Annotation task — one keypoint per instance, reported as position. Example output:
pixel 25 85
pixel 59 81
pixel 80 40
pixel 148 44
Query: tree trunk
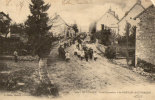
pixel 43 74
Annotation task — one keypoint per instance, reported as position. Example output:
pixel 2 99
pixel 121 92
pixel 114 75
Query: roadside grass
pixel 17 76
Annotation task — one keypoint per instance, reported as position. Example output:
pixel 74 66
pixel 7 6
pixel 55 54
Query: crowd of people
pixel 84 52
pixel 61 50
pixel 81 50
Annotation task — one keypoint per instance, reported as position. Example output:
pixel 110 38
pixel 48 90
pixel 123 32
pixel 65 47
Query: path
pixel 99 75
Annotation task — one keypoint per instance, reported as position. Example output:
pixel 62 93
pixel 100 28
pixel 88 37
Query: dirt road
pixel 78 76
pixel 99 75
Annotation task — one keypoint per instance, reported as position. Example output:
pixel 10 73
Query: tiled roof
pixel 111 12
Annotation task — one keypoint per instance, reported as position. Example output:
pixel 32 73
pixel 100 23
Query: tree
pixel 4 23
pixel 75 28
pixel 17 28
pixel 37 28
pixel 92 30
pixel 40 41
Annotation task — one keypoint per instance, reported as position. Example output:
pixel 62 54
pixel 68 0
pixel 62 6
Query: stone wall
pixel 145 42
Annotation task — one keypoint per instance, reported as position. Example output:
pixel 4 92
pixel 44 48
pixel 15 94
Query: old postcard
pixel 77 49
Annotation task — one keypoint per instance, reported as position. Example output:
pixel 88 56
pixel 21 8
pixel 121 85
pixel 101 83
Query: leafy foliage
pixel 106 37
pixel 37 27
pixel 17 28
pixel 4 23
pixel 110 52
pixel 131 38
pixel 75 28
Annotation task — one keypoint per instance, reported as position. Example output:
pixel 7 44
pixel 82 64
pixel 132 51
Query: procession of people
pixel 85 53
pixel 61 50
pixel 81 50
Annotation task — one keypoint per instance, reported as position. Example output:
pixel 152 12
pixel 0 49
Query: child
pixel 91 53
pixel 67 55
pixel 86 55
pixel 95 55
pixel 75 51
pixel 82 54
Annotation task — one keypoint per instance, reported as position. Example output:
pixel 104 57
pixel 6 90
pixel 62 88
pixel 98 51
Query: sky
pixel 82 12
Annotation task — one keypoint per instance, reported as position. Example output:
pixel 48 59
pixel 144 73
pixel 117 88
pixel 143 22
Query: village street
pixel 78 76
pixel 75 49
pixel 100 75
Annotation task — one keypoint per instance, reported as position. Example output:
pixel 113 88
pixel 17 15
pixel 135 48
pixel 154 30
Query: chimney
pixel 139 2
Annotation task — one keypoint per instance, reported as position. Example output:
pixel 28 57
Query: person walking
pixel 63 52
pixel 91 53
pixel 59 51
pixel 15 56
pixel 86 55
pixel 82 54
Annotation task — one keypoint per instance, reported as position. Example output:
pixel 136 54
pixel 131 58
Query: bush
pixel 110 52
pixel 148 67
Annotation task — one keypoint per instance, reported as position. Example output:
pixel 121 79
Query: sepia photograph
pixel 77 49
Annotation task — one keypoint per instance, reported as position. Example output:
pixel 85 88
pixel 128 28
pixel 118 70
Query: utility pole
pixel 135 53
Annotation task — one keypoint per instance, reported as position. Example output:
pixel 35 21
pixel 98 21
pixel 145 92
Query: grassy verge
pixel 19 76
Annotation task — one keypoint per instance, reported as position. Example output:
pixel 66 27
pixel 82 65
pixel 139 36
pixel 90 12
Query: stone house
pixel 145 38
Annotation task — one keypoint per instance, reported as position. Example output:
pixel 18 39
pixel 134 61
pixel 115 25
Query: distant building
pixel 60 27
pixel 4 16
pixel 108 20
pixel 145 42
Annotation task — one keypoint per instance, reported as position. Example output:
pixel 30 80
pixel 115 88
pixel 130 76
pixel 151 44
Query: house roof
pixel 6 15
pixel 144 11
pixel 137 4
pixel 57 19
pixel 111 12
pixel 59 25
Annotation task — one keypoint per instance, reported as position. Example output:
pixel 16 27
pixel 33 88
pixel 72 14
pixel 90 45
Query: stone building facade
pixel 145 42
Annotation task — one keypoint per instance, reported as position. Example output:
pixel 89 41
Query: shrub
pixel 110 52
pixel 148 67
